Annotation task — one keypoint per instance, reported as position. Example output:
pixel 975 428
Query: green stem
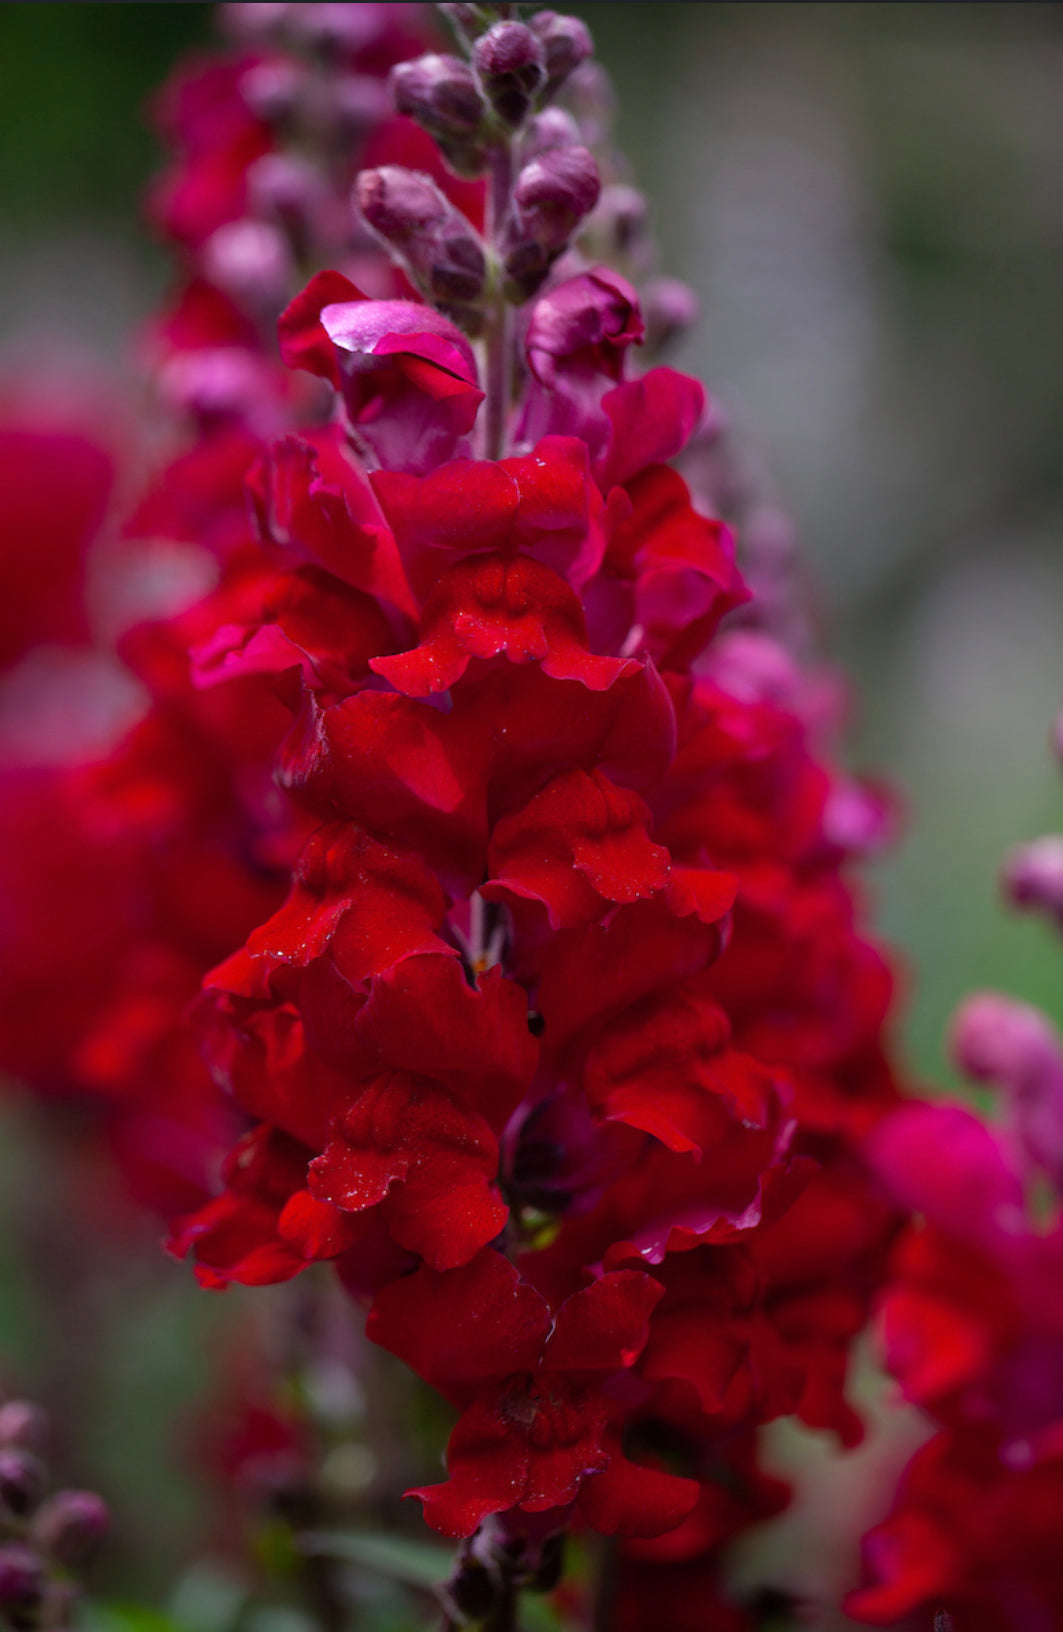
pixel 498 330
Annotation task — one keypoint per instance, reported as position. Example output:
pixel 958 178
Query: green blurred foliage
pixel 74 85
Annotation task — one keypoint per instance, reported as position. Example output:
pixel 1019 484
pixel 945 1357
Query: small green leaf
pixel 417 1563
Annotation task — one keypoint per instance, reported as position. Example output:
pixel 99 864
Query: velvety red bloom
pixel 537 1430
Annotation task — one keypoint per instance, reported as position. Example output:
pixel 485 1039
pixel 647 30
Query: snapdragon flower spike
pixel 567 1017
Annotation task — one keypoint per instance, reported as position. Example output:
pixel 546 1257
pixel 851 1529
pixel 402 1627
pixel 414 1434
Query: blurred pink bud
pixel 23 1424
pixel 1012 1045
pixel 21 1579
pixel 254 21
pixel 249 260
pixel 22 1480
pixel 287 187
pixel 1033 875
pixel 566 43
pixel 272 89
pixel 670 309
pixel 550 129
pixel 70 1526
pixel 511 65
pixel 859 818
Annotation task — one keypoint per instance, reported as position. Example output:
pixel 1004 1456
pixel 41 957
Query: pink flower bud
pixel 21 1579
pixel 272 89
pixel 22 1480
pixel 511 65
pixel 1012 1045
pixel 440 248
pixel 258 21
pixel 551 196
pixel 552 128
pixel 249 260
pixel 566 42
pixel 442 94
pixel 1033 876
pixel 554 192
pixel 23 1424
pixel 670 309
pixel 71 1525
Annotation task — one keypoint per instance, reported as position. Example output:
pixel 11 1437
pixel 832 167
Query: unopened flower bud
pixel 272 89
pixel 21 1580
pixel 469 22
pixel 590 96
pixel 511 65
pixel 257 21
pixel 436 242
pixel 24 1425
pixel 551 196
pixel 22 1480
pixel 1033 875
pixel 70 1526
pixel 566 42
pixel 287 188
pixel 622 218
pixel 554 192
pixel 335 27
pixel 550 129
pixel 670 308
pixel 442 94
pixel 1014 1046
pixel 471 1590
pixel 250 260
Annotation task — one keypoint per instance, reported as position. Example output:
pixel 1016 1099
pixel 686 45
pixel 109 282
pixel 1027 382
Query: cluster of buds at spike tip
pixel 480 112
pixel 45 1541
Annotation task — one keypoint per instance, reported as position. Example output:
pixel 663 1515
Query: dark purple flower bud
pixel 511 65
pixel 70 1526
pixel 24 1425
pixel 1033 875
pixel 551 196
pixel 22 1480
pixel 566 42
pixel 442 94
pixel 469 22
pixel 21 1579
pixel 436 242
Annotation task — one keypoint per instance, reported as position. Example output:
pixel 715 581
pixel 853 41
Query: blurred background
pixel 868 200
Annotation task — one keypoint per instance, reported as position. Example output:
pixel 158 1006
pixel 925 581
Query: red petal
pixel 487 1459
pixel 604 1327
pixel 425 1018
pixel 303 341
pixel 652 419
pixel 628 1500
pixel 464 1327
pixel 579 845
pixel 443 1160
